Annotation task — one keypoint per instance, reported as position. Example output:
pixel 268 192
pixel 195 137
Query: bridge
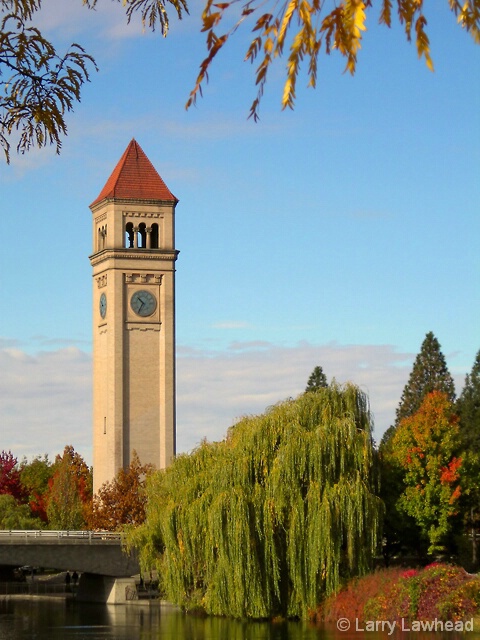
pixel 99 556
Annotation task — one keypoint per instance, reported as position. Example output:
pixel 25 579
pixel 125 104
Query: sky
pixel 337 234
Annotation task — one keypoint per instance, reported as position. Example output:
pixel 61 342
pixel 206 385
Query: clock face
pixel 103 305
pixel 143 303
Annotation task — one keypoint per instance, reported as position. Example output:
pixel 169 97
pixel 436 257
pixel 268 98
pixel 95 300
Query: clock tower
pixel 133 263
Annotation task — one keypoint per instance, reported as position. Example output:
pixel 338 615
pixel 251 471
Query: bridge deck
pixel 43 536
pixel 100 552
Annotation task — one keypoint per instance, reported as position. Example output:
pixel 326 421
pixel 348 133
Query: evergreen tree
pixel 468 407
pixel 429 373
pixel 317 380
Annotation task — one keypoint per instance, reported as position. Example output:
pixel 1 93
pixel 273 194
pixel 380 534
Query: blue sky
pixel 338 234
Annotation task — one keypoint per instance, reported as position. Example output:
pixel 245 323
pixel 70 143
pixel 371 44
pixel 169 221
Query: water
pixel 23 619
pixel 57 619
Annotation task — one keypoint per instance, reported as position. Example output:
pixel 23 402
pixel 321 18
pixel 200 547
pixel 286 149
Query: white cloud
pixel 233 324
pixel 216 388
pixel 45 402
pixel 45 399
pixel 108 19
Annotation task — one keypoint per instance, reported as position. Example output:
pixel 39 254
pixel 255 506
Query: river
pixel 59 619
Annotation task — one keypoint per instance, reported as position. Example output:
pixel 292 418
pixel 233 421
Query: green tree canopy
pixel 317 380
pixel 274 517
pixel 468 407
pixel 16 516
pixel 402 536
pixel 39 85
pixel 35 477
pixel 427 446
pixel 70 492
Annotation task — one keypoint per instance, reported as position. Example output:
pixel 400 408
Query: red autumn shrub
pixel 350 601
pixel 439 591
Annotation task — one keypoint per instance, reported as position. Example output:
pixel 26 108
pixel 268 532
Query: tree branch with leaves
pixel 39 86
pixel 307 27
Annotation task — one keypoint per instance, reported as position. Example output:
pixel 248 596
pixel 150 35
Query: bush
pixel 351 601
pixel 439 591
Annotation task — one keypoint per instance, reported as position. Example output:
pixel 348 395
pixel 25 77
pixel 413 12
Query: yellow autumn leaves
pixel 307 26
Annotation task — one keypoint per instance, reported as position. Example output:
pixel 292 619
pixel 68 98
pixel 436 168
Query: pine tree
pixel 468 407
pixel 317 380
pixel 429 373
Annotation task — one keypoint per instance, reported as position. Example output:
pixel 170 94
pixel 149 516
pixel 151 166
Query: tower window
pixel 154 236
pixel 101 238
pixel 129 236
pixel 142 235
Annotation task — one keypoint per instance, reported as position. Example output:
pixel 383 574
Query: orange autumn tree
pixel 426 446
pixel 121 501
pixel 70 491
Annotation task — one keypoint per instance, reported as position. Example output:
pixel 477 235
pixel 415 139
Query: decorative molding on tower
pixel 144 278
pixel 102 281
pixel 140 214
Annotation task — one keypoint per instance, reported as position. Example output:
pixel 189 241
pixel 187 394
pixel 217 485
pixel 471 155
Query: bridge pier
pixel 106 589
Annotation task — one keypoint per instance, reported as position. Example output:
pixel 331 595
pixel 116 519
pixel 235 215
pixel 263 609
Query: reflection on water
pixel 38 619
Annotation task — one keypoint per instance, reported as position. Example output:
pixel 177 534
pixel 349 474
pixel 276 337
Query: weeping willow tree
pixel 272 519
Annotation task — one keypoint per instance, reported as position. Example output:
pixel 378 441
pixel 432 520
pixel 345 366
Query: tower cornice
pixel 129 201
pixel 168 255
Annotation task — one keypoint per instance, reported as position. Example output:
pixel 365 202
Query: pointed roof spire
pixel 135 178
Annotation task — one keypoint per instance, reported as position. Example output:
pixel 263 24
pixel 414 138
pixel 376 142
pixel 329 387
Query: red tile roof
pixel 135 178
